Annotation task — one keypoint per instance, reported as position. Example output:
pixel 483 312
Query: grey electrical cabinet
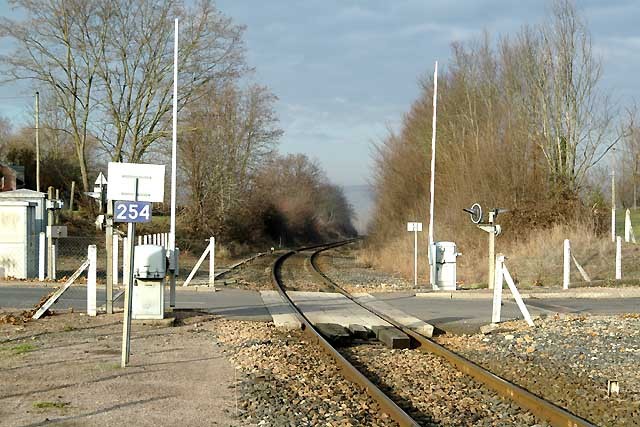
pixel 149 271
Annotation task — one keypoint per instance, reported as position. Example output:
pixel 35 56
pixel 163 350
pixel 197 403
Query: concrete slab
pixel 282 314
pixel 396 314
pixel 328 307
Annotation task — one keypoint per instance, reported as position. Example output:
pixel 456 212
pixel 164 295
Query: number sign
pixel 414 226
pixel 132 211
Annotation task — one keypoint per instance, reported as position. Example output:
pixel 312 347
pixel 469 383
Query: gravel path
pixel 433 392
pixel 568 360
pixel 284 381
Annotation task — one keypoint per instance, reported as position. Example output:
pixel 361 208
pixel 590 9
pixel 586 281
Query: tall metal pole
pixel 433 175
pixel 172 231
pixel 174 147
pixel 38 141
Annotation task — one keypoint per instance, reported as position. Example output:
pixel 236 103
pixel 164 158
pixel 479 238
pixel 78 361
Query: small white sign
pixel 122 177
pixel 414 226
pixel 56 231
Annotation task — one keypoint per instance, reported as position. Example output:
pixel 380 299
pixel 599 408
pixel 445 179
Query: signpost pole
pixel 415 257
pixel 49 238
pixel 109 253
pixel 126 324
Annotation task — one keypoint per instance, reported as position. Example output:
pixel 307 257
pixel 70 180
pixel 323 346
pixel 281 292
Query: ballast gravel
pixel 343 266
pixel 569 360
pixel 433 392
pixel 285 381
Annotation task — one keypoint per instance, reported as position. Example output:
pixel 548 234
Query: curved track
pixel 348 370
pixel 542 408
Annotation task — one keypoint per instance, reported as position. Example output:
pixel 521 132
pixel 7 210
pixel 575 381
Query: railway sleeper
pixel 392 337
pixel 361 332
pixel 334 333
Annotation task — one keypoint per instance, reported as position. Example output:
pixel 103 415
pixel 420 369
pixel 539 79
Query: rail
pixel 347 369
pixel 540 407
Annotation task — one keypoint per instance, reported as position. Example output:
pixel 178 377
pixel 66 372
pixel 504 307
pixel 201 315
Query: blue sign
pixel 132 211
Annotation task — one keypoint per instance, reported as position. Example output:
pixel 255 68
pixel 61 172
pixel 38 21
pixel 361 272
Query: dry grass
pixel 533 260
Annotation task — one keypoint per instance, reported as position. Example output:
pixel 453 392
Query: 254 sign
pixel 132 211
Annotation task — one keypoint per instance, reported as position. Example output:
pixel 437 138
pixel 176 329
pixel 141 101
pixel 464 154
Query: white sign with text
pixel 122 178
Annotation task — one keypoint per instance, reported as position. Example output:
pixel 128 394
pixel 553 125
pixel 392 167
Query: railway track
pixel 542 409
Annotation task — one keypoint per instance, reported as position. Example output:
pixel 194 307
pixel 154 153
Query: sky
pixel 345 71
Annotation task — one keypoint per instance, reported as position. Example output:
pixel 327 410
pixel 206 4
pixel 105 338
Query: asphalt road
pixel 450 315
pixel 467 315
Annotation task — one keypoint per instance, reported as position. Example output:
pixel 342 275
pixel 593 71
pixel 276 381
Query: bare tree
pixel 108 64
pixel 226 138
pixel 135 66
pixel 51 49
pixel 574 118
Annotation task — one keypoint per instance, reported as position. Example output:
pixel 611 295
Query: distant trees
pixel 299 203
pixel 224 140
pixel 265 198
pixel 520 124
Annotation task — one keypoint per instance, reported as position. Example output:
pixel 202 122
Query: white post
pixel 42 244
pixel 497 290
pixel 115 255
pixel 516 296
pixel 618 257
pixel 613 206
pixel 139 240
pixel 125 261
pixel 566 270
pixel 145 239
pixel 415 257
pixel 91 281
pixel 212 261
pixel 433 177
pixel 54 256
pixel 627 226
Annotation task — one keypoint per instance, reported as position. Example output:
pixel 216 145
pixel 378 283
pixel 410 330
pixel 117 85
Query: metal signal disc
pixel 476 214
